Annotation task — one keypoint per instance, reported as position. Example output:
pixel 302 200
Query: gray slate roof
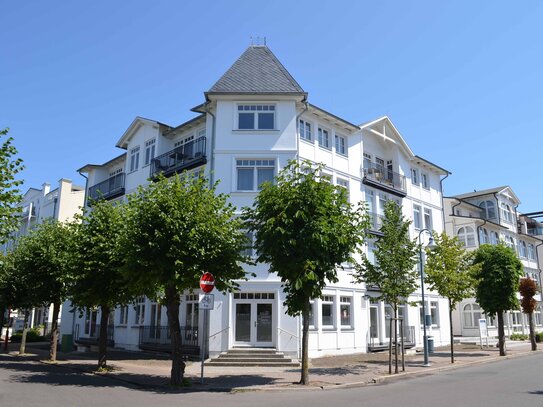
pixel 257 70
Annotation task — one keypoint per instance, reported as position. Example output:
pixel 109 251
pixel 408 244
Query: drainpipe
pixel 442 200
pixel 55 201
pixel 86 187
pixel 497 208
pixel 539 274
pixel 479 231
pixel 212 155
pixel 297 135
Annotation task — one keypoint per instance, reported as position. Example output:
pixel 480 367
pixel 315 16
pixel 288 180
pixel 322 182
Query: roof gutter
pixel 212 152
pixel 442 200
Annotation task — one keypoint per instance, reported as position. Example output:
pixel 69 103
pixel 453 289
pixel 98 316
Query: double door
pixel 253 324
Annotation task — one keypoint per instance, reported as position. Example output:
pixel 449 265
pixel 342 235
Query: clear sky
pixel 461 80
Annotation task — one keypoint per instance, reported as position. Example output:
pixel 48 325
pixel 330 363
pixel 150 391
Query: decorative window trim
pixel 256 110
pixel 255 164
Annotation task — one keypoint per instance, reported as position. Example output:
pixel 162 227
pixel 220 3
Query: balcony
pixel 182 158
pixel 108 189
pixel 157 339
pixel 384 179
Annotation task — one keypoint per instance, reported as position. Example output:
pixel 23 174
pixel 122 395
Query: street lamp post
pixel 430 245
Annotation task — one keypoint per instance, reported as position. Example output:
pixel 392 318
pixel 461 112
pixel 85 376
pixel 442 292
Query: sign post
pixel 206 302
pixel 483 332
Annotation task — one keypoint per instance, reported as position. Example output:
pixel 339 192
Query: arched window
pixel 531 253
pixel 522 249
pixel 489 209
pixel 507 213
pixel 509 242
pixel 483 236
pixel 471 315
pixel 494 238
pixel 466 236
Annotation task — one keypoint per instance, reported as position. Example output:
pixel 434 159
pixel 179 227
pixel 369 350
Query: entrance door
pixel 254 324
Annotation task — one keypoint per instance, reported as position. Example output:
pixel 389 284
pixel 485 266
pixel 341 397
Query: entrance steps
pixel 265 357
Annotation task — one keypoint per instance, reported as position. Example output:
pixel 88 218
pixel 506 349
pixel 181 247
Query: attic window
pixel 256 117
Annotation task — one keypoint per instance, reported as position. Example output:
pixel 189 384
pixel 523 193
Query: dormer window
pixel 256 117
pixel 489 209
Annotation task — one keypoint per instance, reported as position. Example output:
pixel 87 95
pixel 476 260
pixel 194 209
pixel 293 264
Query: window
pixel 345 309
pixel 327 308
pixel 466 236
pixel 252 173
pixel 424 180
pixel 248 251
pixel 139 307
pixel 414 176
pixel 471 315
pixel 340 145
pixel 149 151
pixel 134 158
pixel 184 141
pixel 344 184
pixel 531 252
pixel 428 218
pixel 367 160
pixel 506 212
pixel 483 236
pixel 416 217
pixel 489 209
pixel 304 128
pixel 324 138
pixel 509 242
pixel 434 312
pixel 191 311
pixel 522 249
pixel 371 252
pixel 256 117
pixel 115 172
pixel 311 314
pixel 494 238
pixel 123 315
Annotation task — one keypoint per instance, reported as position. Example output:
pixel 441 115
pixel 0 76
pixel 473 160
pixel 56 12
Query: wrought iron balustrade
pixel 380 176
pixel 184 157
pixel 108 189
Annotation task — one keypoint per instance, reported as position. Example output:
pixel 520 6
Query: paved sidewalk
pixel 152 372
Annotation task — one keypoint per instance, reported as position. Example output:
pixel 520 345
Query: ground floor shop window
pixel 345 308
pixel 327 309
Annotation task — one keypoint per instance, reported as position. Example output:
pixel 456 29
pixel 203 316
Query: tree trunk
pixel 532 330
pixel 501 334
pixel 396 339
pixel 102 341
pixel 22 347
pixel 2 311
pixel 305 343
pixel 54 332
pixel 390 348
pixel 451 329
pixel 172 306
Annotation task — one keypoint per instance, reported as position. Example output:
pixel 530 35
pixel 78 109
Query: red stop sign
pixel 207 282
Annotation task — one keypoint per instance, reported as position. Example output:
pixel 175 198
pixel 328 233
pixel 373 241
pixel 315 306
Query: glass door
pixel 264 322
pixel 243 323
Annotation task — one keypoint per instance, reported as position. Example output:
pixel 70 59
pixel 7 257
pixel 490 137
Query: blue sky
pixel 462 80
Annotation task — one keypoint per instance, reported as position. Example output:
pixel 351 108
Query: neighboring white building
pixel 253 121
pixel 488 217
pixel 38 205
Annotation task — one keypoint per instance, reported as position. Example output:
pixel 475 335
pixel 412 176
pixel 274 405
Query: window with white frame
pixel 522 249
pixel 252 173
pixel 424 180
pixel 372 248
pixel 183 141
pixel 433 311
pixel 471 315
pixel 134 158
pixel 414 176
pixel 139 307
pixel 346 311
pixel 537 314
pixel 327 311
pixel 489 209
pixel 304 129
pixel 483 236
pixel 324 138
pixel 191 311
pixel 531 252
pixel 417 222
pixel 510 242
pixel 344 183
pixel 123 315
pixel 367 160
pixel 466 236
pixel 507 214
pixel 340 145
pixel 312 314
pixel 256 117
pixel 494 238
pixel 115 172
pixel 428 219
pixel 248 250
pixel 149 151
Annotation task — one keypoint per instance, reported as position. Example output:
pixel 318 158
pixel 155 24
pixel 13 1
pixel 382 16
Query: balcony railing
pixel 108 189
pixel 185 157
pixel 157 338
pixel 92 336
pixel 383 178
pixel 376 221
pixel 408 339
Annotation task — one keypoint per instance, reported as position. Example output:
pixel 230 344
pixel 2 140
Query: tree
pixel 498 283
pixel 394 271
pixel 528 289
pixel 176 229
pixel 305 229
pixel 10 195
pixel 42 258
pixel 449 271
pixel 98 278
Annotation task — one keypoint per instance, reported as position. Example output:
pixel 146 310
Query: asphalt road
pixel 513 382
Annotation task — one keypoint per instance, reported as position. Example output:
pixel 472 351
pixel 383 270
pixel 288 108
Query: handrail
pixel 287 332
pixel 216 333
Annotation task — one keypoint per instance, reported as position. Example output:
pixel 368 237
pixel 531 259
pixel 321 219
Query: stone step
pixel 243 359
pixel 252 355
pixel 215 362
pixel 266 351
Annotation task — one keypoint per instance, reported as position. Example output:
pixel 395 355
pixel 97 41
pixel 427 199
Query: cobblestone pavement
pixel 152 371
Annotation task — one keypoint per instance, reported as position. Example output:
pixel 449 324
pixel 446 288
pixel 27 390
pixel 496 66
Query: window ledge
pixel 342 155
pixel 325 148
pixel 311 142
pixel 258 131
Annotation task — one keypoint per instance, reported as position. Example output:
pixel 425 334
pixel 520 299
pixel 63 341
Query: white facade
pixel 246 137
pixel 488 217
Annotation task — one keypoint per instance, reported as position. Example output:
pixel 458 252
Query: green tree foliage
pixel 498 283
pixel 175 230
pixel 42 257
pixel 98 279
pixel 394 272
pixel 305 229
pixel 449 271
pixel 10 195
pixel 528 289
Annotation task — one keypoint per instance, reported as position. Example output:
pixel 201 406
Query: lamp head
pixel 431 243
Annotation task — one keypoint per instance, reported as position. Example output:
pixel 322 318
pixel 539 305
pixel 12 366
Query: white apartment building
pixel 38 205
pixel 488 217
pixel 255 119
